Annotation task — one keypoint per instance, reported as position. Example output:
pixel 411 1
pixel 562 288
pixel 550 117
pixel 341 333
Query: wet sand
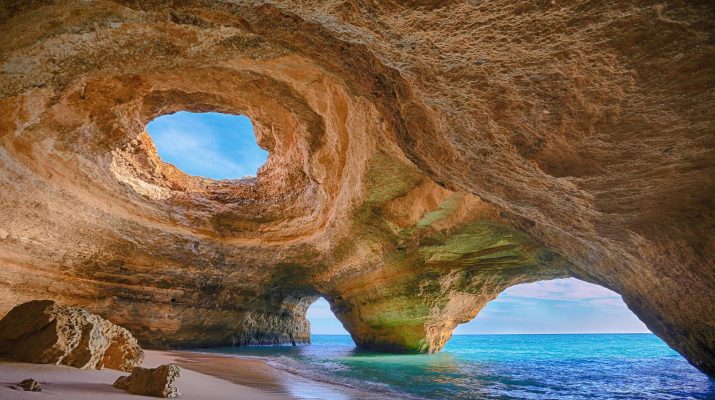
pixel 257 373
pixel 250 372
pixel 204 377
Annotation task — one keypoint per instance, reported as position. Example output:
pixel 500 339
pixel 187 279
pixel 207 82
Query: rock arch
pixel 423 158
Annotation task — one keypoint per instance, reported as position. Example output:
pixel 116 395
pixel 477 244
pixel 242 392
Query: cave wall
pixel 424 156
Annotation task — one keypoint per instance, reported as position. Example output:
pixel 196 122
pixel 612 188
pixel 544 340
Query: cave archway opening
pixel 571 315
pixel 323 321
pixel 545 328
pixel 557 306
pixel 208 144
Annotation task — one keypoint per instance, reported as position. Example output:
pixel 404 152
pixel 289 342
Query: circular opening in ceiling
pixel 211 145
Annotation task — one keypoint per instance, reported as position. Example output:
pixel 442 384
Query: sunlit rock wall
pixel 424 156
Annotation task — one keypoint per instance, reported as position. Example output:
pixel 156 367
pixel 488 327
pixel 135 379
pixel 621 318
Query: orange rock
pixel 157 382
pixel 45 332
pixel 413 173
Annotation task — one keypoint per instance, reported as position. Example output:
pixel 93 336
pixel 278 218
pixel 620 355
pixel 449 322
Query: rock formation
pixel 424 156
pixel 45 332
pixel 157 382
pixel 28 385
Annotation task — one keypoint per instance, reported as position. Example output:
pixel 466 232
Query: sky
pixel 555 306
pixel 211 145
pixel 222 146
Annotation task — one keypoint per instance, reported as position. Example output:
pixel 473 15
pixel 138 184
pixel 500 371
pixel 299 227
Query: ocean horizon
pixel 490 334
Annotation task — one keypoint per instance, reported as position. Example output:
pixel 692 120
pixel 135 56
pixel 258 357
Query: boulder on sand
pixel 28 385
pixel 157 382
pixel 45 332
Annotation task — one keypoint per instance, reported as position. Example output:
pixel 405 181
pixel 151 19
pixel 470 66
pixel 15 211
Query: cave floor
pixel 63 382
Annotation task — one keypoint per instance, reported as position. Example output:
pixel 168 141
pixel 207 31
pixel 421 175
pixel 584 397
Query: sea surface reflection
pixel 598 366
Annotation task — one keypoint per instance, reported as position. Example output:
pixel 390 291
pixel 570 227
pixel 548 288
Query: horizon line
pixel 521 333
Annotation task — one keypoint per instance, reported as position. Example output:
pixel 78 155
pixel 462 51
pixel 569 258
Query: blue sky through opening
pixel 555 306
pixel 212 145
pixel 223 146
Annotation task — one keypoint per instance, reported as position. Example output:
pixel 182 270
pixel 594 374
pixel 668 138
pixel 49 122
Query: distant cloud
pixel 555 306
pixel 561 289
pixel 320 309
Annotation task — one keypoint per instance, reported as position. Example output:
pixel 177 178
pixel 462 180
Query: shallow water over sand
pixel 596 366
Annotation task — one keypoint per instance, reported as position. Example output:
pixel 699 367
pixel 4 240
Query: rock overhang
pixel 416 169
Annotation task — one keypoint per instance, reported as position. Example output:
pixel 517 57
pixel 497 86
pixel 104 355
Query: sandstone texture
pixel 28 385
pixel 157 382
pixel 45 332
pixel 425 155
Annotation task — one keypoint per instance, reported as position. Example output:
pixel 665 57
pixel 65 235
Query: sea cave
pixel 416 159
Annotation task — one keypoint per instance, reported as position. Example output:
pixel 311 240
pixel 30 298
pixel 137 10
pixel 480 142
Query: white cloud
pixel 569 289
pixel 320 309
pixel 556 306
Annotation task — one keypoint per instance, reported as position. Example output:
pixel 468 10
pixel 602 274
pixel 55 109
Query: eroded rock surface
pixel 45 332
pixel 157 382
pixel 28 385
pixel 424 156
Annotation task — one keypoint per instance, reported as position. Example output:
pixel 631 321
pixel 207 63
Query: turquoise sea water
pixel 583 366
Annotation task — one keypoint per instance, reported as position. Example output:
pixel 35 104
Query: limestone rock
pixel 157 382
pixel 28 385
pixel 43 331
pixel 424 156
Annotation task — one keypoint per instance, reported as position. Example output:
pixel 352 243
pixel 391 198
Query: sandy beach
pixel 203 376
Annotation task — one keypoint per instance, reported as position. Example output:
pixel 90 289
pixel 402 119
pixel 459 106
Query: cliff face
pixel 424 156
